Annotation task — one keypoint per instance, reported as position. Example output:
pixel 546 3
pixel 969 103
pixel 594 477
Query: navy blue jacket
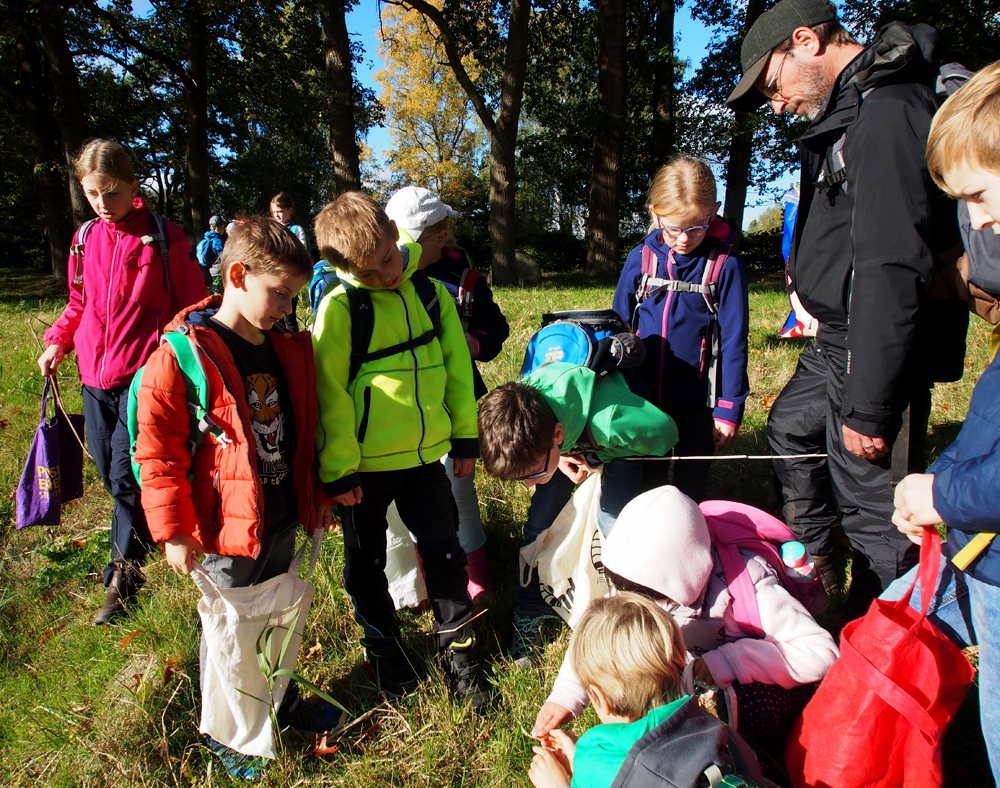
pixel 488 325
pixel 675 369
pixel 967 477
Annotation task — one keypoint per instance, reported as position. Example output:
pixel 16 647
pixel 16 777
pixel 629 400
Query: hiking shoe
pixel 317 716
pixel 827 574
pixel 526 642
pixel 245 768
pixel 389 668
pixel 121 590
pixel 462 670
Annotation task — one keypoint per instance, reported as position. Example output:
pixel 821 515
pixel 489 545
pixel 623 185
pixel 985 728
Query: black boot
pixel 389 666
pixel 462 670
pixel 121 589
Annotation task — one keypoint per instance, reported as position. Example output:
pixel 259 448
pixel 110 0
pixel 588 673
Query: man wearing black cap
pixel 869 225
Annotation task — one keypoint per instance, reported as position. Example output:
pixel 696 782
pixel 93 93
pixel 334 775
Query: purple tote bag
pixel 53 474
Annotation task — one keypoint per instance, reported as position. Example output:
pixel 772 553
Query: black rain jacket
pixel 863 251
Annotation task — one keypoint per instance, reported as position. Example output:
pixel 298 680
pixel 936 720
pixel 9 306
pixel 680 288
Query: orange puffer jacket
pixel 223 506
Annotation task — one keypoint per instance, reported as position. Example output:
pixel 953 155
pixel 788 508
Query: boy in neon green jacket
pixel 395 384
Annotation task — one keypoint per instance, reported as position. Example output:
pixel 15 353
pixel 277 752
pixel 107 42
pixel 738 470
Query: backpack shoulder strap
pixel 189 359
pixel 710 279
pixel 428 295
pixel 467 295
pixel 77 249
pixel 362 326
pixel 159 234
pixel 746 611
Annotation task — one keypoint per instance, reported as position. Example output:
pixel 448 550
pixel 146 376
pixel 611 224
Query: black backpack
pixel 690 749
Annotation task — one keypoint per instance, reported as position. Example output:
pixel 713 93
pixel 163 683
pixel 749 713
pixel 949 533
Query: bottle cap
pixel 793 553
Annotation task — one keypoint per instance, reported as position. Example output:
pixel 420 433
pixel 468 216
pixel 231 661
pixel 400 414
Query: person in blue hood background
pixel 684 293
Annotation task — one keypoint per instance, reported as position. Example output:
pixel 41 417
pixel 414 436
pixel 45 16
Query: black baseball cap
pixel 772 29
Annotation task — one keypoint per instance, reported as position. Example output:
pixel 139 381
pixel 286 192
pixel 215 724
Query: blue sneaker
pixel 245 768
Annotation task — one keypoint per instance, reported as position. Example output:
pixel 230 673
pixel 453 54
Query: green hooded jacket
pixel 623 424
pixel 399 412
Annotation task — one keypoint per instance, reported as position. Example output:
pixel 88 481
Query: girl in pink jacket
pixel 661 548
pixel 130 272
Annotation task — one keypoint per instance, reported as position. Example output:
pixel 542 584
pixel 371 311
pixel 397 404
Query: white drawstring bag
pixel 568 555
pixel 406 581
pixel 236 702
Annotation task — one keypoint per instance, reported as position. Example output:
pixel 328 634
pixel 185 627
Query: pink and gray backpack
pixel 736 526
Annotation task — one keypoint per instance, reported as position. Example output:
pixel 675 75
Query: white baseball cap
pixel 414 209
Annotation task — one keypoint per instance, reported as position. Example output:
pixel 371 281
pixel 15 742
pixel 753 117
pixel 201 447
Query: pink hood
pixel 115 318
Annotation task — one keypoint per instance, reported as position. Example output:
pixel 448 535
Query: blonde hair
pixel 351 229
pixel 682 184
pixel 105 158
pixel 632 651
pixel 967 127
pixel 264 246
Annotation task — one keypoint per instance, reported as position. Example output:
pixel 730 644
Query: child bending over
pixel 629 654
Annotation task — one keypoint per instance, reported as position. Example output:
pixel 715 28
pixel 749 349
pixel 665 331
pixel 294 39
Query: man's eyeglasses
pixel 536 474
pixel 772 89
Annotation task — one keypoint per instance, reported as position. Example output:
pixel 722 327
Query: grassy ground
pixel 117 705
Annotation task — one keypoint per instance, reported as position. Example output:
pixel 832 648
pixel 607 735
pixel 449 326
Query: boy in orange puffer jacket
pixel 254 479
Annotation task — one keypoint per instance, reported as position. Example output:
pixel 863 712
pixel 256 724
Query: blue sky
pixel 362 23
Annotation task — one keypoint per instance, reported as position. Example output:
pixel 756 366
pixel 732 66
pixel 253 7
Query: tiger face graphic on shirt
pixel 268 423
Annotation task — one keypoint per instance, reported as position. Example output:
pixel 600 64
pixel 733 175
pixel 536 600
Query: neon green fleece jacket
pixel 401 411
pixel 622 424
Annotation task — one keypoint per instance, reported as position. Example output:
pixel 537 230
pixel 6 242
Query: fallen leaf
pixel 123 643
pixel 314 650
pixel 168 668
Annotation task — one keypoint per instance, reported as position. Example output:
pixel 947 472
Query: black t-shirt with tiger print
pixel 266 388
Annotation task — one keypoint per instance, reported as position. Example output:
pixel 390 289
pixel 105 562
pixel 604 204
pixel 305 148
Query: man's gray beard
pixel 815 90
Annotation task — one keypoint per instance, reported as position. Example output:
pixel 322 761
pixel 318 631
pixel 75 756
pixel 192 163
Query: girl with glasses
pixel 685 293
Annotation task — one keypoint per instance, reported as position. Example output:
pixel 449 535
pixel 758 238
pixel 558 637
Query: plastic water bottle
pixel 798 565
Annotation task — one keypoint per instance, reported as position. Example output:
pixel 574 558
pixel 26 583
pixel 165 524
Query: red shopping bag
pixel 880 714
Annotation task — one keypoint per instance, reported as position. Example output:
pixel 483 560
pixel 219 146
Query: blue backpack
pixel 324 281
pixel 594 338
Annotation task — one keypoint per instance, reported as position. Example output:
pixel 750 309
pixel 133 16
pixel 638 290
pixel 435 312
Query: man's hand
pixel 464 466
pixel 723 433
pixel 324 515
pixel 546 771
pixel 473 344
pixel 575 467
pixel 868 447
pixel 50 359
pixel 914 502
pixel 180 553
pixel 550 717
pixel 348 498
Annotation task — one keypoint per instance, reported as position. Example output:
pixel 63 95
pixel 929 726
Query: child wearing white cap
pixel 420 214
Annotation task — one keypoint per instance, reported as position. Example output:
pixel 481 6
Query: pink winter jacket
pixel 114 320
pixel 672 554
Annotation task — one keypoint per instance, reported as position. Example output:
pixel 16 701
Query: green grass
pixel 85 706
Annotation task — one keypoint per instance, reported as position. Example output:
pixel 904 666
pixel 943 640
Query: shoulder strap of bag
pixel 363 323
pixel 192 370
pixel 467 296
pixel 77 249
pixel 741 588
pixel 159 234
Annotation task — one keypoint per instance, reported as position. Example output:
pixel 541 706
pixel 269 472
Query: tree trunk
pixel 36 100
pixel 503 142
pixel 606 182
pixel 68 107
pixel 741 149
pixel 663 84
pixel 196 160
pixel 340 95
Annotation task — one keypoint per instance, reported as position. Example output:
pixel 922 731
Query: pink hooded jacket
pixel 114 320
pixel 661 541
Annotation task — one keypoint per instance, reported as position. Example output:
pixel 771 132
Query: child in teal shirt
pixel 630 656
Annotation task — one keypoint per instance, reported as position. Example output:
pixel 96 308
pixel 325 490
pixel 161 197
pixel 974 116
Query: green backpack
pixel 189 360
